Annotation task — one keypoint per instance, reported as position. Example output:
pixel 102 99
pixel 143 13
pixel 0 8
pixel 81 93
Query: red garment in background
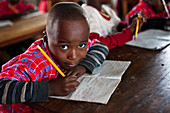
pixel 21 6
pixel 147 10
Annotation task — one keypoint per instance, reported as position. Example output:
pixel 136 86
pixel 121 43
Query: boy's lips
pixel 71 65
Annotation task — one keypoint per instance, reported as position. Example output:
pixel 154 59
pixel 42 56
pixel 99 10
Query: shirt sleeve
pixel 17 86
pixel 121 26
pixel 95 56
pixel 115 40
pixel 21 91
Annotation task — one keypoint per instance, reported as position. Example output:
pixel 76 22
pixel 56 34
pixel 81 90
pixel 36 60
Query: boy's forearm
pixel 21 91
pixel 95 56
pixel 115 40
pixel 121 26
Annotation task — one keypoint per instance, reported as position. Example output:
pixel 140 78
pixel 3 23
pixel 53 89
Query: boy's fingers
pixel 70 78
pixel 72 89
pixel 71 73
pixel 73 84
pixel 68 90
pixel 68 73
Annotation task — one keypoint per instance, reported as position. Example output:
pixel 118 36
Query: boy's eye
pixel 82 45
pixel 64 47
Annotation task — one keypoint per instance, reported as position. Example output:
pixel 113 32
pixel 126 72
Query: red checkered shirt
pixel 147 10
pixel 21 6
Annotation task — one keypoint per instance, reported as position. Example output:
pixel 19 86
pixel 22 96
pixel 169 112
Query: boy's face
pixel 68 42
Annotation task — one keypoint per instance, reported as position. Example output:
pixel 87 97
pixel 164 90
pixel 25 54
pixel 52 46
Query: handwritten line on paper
pixel 99 88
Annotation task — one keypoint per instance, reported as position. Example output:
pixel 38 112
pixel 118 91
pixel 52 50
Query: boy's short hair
pixel 67 11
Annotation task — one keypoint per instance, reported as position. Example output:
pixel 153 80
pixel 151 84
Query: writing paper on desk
pixel 152 39
pixel 99 86
pixel 4 23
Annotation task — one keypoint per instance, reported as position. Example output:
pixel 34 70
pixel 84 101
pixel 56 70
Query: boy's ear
pixel 45 37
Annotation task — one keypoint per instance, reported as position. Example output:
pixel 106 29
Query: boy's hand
pixel 78 71
pixel 63 86
pixel 134 16
pixel 141 18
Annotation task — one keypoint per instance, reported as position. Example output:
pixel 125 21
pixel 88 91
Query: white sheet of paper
pixel 4 23
pixel 152 39
pixel 31 15
pixel 99 86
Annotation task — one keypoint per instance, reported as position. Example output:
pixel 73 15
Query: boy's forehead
pixel 58 21
pixel 61 29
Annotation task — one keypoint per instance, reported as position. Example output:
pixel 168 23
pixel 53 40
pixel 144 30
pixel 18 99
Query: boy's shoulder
pixel 89 9
pixel 30 58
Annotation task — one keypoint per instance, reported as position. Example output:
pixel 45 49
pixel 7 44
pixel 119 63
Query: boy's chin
pixel 66 67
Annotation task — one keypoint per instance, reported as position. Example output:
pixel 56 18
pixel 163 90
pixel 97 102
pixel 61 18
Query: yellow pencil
pixel 48 58
pixel 13 8
pixel 137 27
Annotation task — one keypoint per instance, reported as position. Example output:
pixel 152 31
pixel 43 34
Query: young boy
pixel 13 8
pixel 103 20
pixel 154 11
pixel 30 77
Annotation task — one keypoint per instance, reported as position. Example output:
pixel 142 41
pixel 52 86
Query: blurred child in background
pixel 103 20
pixel 10 9
pixel 154 11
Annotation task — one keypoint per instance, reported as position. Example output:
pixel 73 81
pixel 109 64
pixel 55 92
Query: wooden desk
pixel 22 30
pixel 145 86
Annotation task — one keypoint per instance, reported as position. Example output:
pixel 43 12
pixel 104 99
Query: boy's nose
pixel 72 55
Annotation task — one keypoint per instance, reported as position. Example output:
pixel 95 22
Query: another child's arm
pixel 142 19
pixel 120 38
pixel 121 26
pixel 94 58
